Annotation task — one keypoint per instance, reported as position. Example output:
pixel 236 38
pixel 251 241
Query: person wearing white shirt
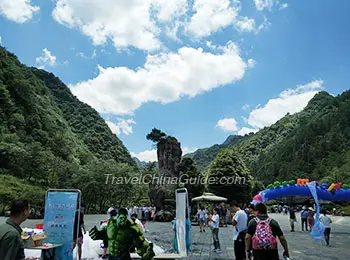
pixel 326 221
pixel 239 223
pixel 137 221
pixel 214 222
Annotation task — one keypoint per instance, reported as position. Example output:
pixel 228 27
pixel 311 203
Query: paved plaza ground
pixel 301 244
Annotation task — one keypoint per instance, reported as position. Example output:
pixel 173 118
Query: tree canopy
pixel 156 135
pixel 232 178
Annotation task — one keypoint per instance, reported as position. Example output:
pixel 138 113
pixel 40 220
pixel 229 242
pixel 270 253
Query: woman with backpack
pixel 261 237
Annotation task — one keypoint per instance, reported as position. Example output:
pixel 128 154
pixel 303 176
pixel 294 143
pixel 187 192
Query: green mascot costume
pixel 123 236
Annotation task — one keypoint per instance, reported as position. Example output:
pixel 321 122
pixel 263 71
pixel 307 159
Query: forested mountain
pixel 84 121
pixel 48 138
pixel 314 143
pixel 203 157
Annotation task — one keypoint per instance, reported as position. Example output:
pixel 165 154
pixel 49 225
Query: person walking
pixel 326 221
pixel 239 223
pixel 303 217
pixel 292 218
pixel 310 218
pixel 261 236
pixel 251 213
pixel 135 219
pixel 214 222
pixel 147 213
pixel 11 243
pixel 201 215
pixel 153 215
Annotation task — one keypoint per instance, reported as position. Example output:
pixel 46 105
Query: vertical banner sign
pixel 60 208
pixel 181 222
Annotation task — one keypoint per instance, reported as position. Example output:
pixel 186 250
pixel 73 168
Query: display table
pixel 47 252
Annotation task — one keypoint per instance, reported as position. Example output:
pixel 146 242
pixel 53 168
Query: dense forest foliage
pixel 203 157
pixel 48 138
pixel 235 179
pixel 314 143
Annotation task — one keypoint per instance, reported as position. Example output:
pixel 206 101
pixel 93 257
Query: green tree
pixel 192 178
pixel 156 135
pixel 232 177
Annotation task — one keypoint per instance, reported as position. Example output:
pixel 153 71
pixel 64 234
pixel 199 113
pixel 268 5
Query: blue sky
pixel 199 70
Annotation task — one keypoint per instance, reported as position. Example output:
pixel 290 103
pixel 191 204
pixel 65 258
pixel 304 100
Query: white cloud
pixel 46 59
pixel 82 55
pixel 18 11
pixel 123 126
pixel 141 23
pixel 93 55
pixel 246 130
pixel 171 31
pixel 186 150
pixel 151 155
pixel 283 6
pixel 251 63
pixel 169 10
pixel 164 78
pixel 123 22
pixel 265 25
pixel 210 45
pixel 289 101
pixel 245 107
pixel 146 156
pixel 227 124
pixel 0 40
pixel 211 16
pixel 262 4
pixel 245 24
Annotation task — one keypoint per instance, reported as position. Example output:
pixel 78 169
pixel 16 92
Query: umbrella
pixel 209 197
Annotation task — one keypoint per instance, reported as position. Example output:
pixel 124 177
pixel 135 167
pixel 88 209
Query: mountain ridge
pixel 265 151
pixel 48 138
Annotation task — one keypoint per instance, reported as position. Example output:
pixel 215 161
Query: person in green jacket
pixel 123 236
pixel 11 243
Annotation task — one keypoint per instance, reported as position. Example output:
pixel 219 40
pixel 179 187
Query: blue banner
pixel 60 209
pixel 318 228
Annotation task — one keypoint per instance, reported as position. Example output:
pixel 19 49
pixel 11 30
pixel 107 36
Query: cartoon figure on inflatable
pixel 333 192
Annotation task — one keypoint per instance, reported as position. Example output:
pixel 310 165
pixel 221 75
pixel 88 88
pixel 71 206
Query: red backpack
pixel 263 237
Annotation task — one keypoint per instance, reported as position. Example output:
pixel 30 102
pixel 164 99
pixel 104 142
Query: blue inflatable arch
pixel 333 192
